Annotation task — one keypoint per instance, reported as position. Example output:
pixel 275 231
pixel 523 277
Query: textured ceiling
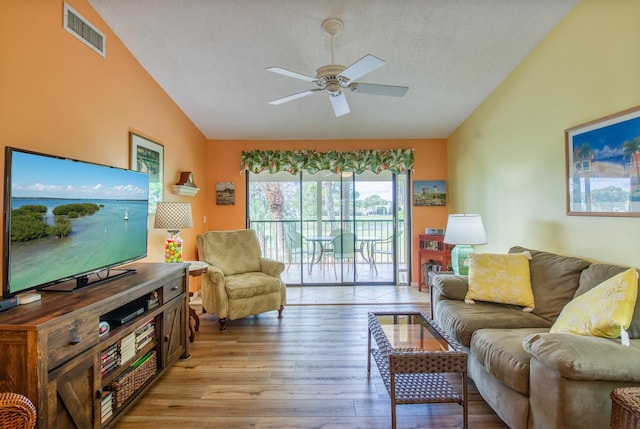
pixel 210 57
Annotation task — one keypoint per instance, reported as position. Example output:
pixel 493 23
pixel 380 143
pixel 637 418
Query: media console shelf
pixel 53 353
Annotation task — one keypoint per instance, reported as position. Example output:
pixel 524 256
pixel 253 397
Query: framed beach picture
pixel 148 156
pixel 429 193
pixel 603 166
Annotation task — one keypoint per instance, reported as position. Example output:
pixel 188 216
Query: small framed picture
pixel 148 156
pixel 225 194
pixel 432 245
pixel 429 193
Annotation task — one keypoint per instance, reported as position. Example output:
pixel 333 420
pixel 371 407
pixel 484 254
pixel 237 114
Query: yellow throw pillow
pixel 604 310
pixel 503 279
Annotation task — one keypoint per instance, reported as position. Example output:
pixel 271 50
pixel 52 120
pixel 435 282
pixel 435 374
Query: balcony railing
pixel 275 244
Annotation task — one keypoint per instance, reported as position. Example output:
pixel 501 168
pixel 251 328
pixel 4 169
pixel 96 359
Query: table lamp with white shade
pixel 173 216
pixel 463 230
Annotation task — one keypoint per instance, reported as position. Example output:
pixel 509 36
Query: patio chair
pixel 297 247
pixel 239 281
pixel 327 248
pixel 344 249
pixel 383 247
pixel 16 411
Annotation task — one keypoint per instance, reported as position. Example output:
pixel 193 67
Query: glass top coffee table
pixel 414 356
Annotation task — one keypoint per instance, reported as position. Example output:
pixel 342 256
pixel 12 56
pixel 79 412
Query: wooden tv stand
pixel 53 354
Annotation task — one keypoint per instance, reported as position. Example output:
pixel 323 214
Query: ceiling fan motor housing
pixel 328 78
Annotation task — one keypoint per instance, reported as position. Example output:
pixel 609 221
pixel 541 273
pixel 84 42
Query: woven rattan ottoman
pixel 413 356
pixel 625 408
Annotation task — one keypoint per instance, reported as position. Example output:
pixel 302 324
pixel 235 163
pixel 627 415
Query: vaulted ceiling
pixel 210 57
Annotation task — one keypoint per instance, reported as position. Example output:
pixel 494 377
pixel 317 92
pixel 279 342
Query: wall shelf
pixel 189 191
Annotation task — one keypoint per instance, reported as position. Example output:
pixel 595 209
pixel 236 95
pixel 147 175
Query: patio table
pixel 318 248
pixel 319 241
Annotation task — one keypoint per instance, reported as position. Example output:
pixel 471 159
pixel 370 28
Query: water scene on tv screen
pixel 69 217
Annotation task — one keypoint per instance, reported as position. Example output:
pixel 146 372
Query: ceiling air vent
pixel 75 24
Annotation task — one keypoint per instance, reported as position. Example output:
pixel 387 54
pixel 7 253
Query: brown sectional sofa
pixel 530 377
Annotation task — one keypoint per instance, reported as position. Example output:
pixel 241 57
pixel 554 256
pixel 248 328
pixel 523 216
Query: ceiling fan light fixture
pixel 333 88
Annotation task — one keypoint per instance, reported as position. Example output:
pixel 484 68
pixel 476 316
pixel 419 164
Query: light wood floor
pixel 356 295
pixel 308 370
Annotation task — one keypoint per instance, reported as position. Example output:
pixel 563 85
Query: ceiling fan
pixel 336 79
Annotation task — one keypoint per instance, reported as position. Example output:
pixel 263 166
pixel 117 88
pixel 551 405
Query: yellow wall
pixel 224 159
pixel 507 161
pixel 59 97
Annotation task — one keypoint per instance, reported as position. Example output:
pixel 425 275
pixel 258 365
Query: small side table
pixel 196 269
pixel 625 408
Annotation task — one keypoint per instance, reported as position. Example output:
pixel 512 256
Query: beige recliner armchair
pixel 239 282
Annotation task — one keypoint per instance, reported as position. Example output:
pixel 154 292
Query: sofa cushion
pixel 503 279
pixel 461 320
pixel 249 285
pixel 579 357
pixel 596 274
pixel 554 280
pixel 602 311
pixel 501 354
pixel 451 286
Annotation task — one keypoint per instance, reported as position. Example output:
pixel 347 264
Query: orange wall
pixel 224 159
pixel 59 97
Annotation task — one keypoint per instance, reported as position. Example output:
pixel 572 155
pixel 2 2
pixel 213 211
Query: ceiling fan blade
pixel 291 74
pixel 339 103
pixel 295 96
pixel 372 88
pixel 364 65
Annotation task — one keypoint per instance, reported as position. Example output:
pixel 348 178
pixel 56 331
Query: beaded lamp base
pixel 173 247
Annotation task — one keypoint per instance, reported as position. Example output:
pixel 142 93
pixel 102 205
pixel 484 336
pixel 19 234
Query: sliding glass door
pixel 332 228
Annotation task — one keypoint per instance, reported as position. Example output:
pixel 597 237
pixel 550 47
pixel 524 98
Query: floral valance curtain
pixel 293 161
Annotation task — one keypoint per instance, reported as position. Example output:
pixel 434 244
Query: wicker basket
pixel 625 408
pixel 127 384
pixel 16 411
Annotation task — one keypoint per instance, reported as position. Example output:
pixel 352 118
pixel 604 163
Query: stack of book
pixel 127 348
pixel 430 266
pixel 109 358
pixel 142 360
pixel 144 334
pixel 107 405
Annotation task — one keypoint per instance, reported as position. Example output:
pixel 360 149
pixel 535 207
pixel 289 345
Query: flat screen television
pixel 69 223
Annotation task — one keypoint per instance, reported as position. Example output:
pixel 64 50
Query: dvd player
pixel 122 315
